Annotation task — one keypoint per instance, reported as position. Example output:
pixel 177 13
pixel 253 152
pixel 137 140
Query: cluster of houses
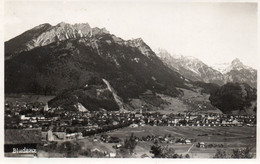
pixel 31 115
pixel 189 119
pixel 148 138
pixel 34 115
pixel 108 139
pixel 28 124
pixel 56 124
pixel 205 145
pixel 37 115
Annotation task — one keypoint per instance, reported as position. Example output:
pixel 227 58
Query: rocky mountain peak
pixel 236 62
pixel 142 46
pixel 137 42
pixel 45 34
pixel 104 30
pixel 66 31
pixel 62 24
pixel 41 26
pixel 162 53
pixel 75 26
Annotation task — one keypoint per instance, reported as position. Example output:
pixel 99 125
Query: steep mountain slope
pixel 20 42
pixel 191 68
pixel 69 57
pixel 236 98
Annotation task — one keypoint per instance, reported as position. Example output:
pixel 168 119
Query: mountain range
pixel 194 69
pixel 90 69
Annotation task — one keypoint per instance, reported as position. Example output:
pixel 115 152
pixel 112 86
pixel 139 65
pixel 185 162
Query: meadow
pixel 230 137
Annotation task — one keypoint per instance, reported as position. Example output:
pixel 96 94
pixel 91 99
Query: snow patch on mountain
pixel 221 67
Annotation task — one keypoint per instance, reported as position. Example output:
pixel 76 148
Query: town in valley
pixel 52 132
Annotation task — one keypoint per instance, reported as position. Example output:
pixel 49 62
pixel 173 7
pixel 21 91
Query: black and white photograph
pixel 130 79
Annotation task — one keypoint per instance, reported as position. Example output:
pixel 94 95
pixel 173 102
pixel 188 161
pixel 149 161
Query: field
pixel 230 137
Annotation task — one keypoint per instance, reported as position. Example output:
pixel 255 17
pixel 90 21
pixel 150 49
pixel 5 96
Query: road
pixel 190 148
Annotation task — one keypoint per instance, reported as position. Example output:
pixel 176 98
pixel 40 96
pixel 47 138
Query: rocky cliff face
pixel 46 34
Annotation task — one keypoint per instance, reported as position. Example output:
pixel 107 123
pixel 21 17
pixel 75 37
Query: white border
pixel 112 161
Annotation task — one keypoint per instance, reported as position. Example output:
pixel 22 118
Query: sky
pixel 212 32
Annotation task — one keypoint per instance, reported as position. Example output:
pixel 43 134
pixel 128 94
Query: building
pixel 76 135
pixel 145 156
pixel 53 134
pixel 201 144
pixel 112 155
pixel 133 125
pixel 187 141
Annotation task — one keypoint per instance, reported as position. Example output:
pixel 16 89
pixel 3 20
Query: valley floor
pixel 229 137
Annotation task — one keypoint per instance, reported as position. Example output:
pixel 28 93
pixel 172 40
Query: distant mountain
pixel 235 98
pixel 236 71
pixel 194 69
pixel 235 64
pixel 191 68
pixel 63 59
